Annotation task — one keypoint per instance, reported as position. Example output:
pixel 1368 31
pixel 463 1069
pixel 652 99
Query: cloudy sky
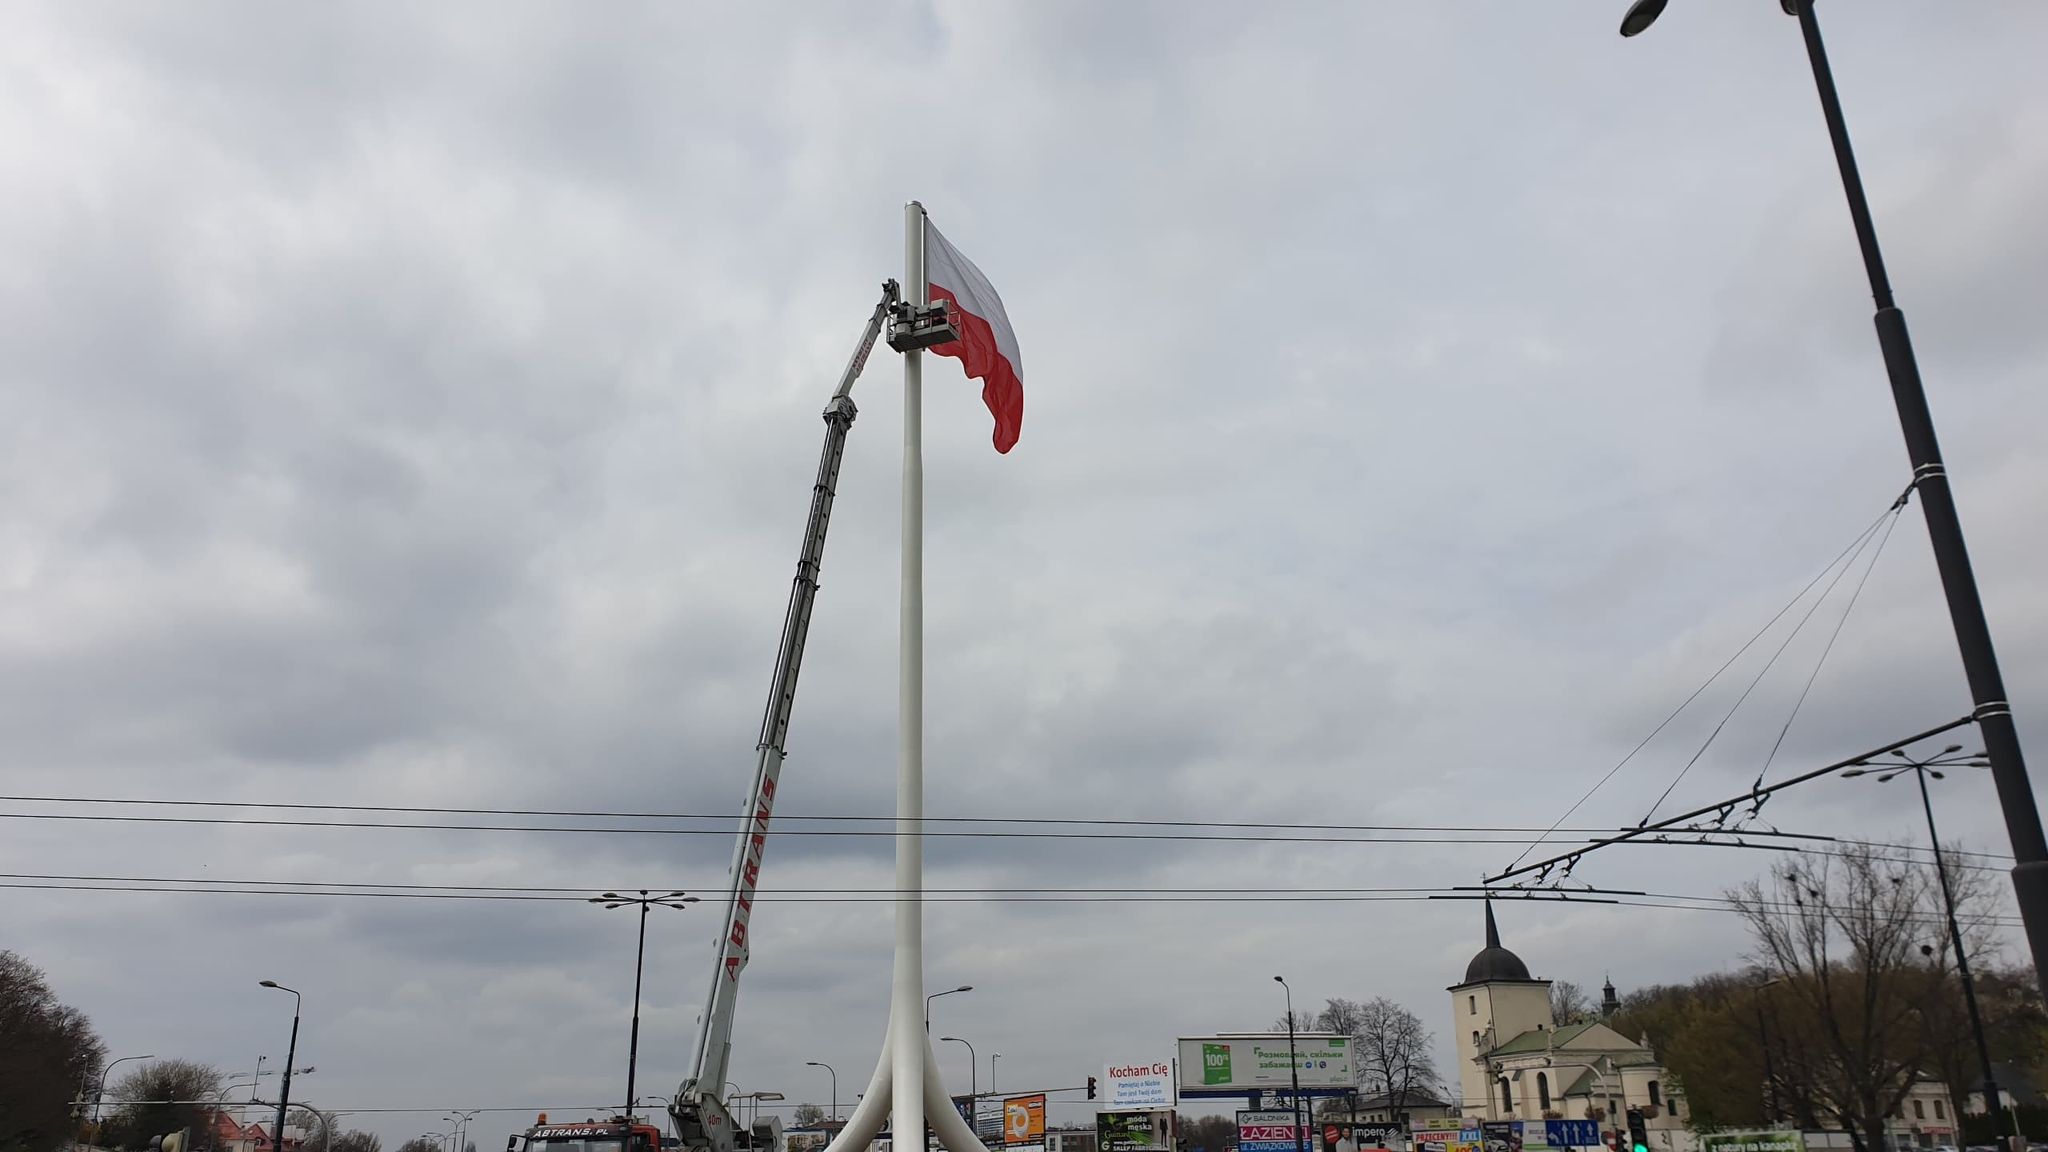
pixel 417 406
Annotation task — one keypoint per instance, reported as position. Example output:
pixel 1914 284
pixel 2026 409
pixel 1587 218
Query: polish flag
pixel 987 348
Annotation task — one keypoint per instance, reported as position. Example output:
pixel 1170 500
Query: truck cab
pixel 618 1134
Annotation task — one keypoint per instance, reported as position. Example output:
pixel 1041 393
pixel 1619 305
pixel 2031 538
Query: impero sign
pixel 1235 1065
pixel 1148 1085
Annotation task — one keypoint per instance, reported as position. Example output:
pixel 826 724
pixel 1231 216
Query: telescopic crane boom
pixel 702 1118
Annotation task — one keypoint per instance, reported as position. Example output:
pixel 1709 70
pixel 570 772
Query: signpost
pixel 1571 1133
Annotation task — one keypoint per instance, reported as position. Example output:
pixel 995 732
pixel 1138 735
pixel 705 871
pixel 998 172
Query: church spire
pixel 1492 929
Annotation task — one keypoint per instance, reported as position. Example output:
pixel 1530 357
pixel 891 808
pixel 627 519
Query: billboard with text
pixel 1024 1119
pixel 1240 1064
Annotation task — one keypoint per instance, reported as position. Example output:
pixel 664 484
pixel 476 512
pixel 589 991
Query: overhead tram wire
pixel 1898 506
pixel 726 818
pixel 1890 518
pixel 879 894
pixel 1671 902
pixel 1854 546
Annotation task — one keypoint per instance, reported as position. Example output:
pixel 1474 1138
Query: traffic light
pixel 1091 1087
pixel 1638 1133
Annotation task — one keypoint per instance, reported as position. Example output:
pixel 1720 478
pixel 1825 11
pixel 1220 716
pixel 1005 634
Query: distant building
pixel 1926 1118
pixel 1515 1063
pixel 1415 1107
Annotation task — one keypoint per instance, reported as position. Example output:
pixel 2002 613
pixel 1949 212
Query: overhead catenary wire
pixel 1854 545
pixel 978 826
pixel 1889 519
pixel 1833 636
pixel 1269 895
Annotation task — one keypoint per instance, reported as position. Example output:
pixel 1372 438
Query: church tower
pixel 1497 1001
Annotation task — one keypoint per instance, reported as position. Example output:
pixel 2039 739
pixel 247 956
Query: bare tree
pixel 1844 940
pixel 420 1144
pixel 1391 1050
pixel 1570 1004
pixel 48 1057
pixel 808 1114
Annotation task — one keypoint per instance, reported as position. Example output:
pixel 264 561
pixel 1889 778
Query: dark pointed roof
pixel 1494 962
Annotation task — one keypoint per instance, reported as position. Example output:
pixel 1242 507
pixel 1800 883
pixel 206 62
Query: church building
pixel 1517 1063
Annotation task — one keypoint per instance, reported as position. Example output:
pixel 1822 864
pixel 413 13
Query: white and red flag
pixel 987 348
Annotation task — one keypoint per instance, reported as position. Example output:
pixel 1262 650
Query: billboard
pixel 1237 1065
pixel 1262 1131
pixel 1343 1136
pixel 1024 1119
pixel 1447 1140
pixel 1149 1130
pixel 1502 1135
pixel 1142 1085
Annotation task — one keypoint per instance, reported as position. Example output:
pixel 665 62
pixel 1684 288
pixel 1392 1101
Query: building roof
pixel 1495 963
pixel 1591 1036
pixel 1416 1097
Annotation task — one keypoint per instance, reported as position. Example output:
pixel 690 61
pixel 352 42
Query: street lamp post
pixel 835 1084
pixel 1992 710
pixel 973 1090
pixel 643 901
pixel 462 1120
pixel 934 996
pixel 284 1090
pixel 1294 1067
pixel 992 1058
pixel 101 1092
pixel 1921 770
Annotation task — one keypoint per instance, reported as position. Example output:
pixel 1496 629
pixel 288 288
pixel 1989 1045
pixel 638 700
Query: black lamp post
pixel 934 996
pixel 1992 711
pixel 1921 770
pixel 284 1091
pixel 1293 1068
pixel 613 900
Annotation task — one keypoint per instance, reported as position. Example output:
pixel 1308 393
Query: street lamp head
pixel 1641 15
pixel 964 988
pixel 1951 749
pixel 1936 774
pixel 267 983
pixel 953 1038
pixel 1854 772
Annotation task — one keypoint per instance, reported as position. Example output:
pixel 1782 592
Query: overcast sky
pixel 418 405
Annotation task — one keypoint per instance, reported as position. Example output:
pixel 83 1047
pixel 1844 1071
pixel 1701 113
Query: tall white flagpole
pixel 907 1114
pixel 906 1085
